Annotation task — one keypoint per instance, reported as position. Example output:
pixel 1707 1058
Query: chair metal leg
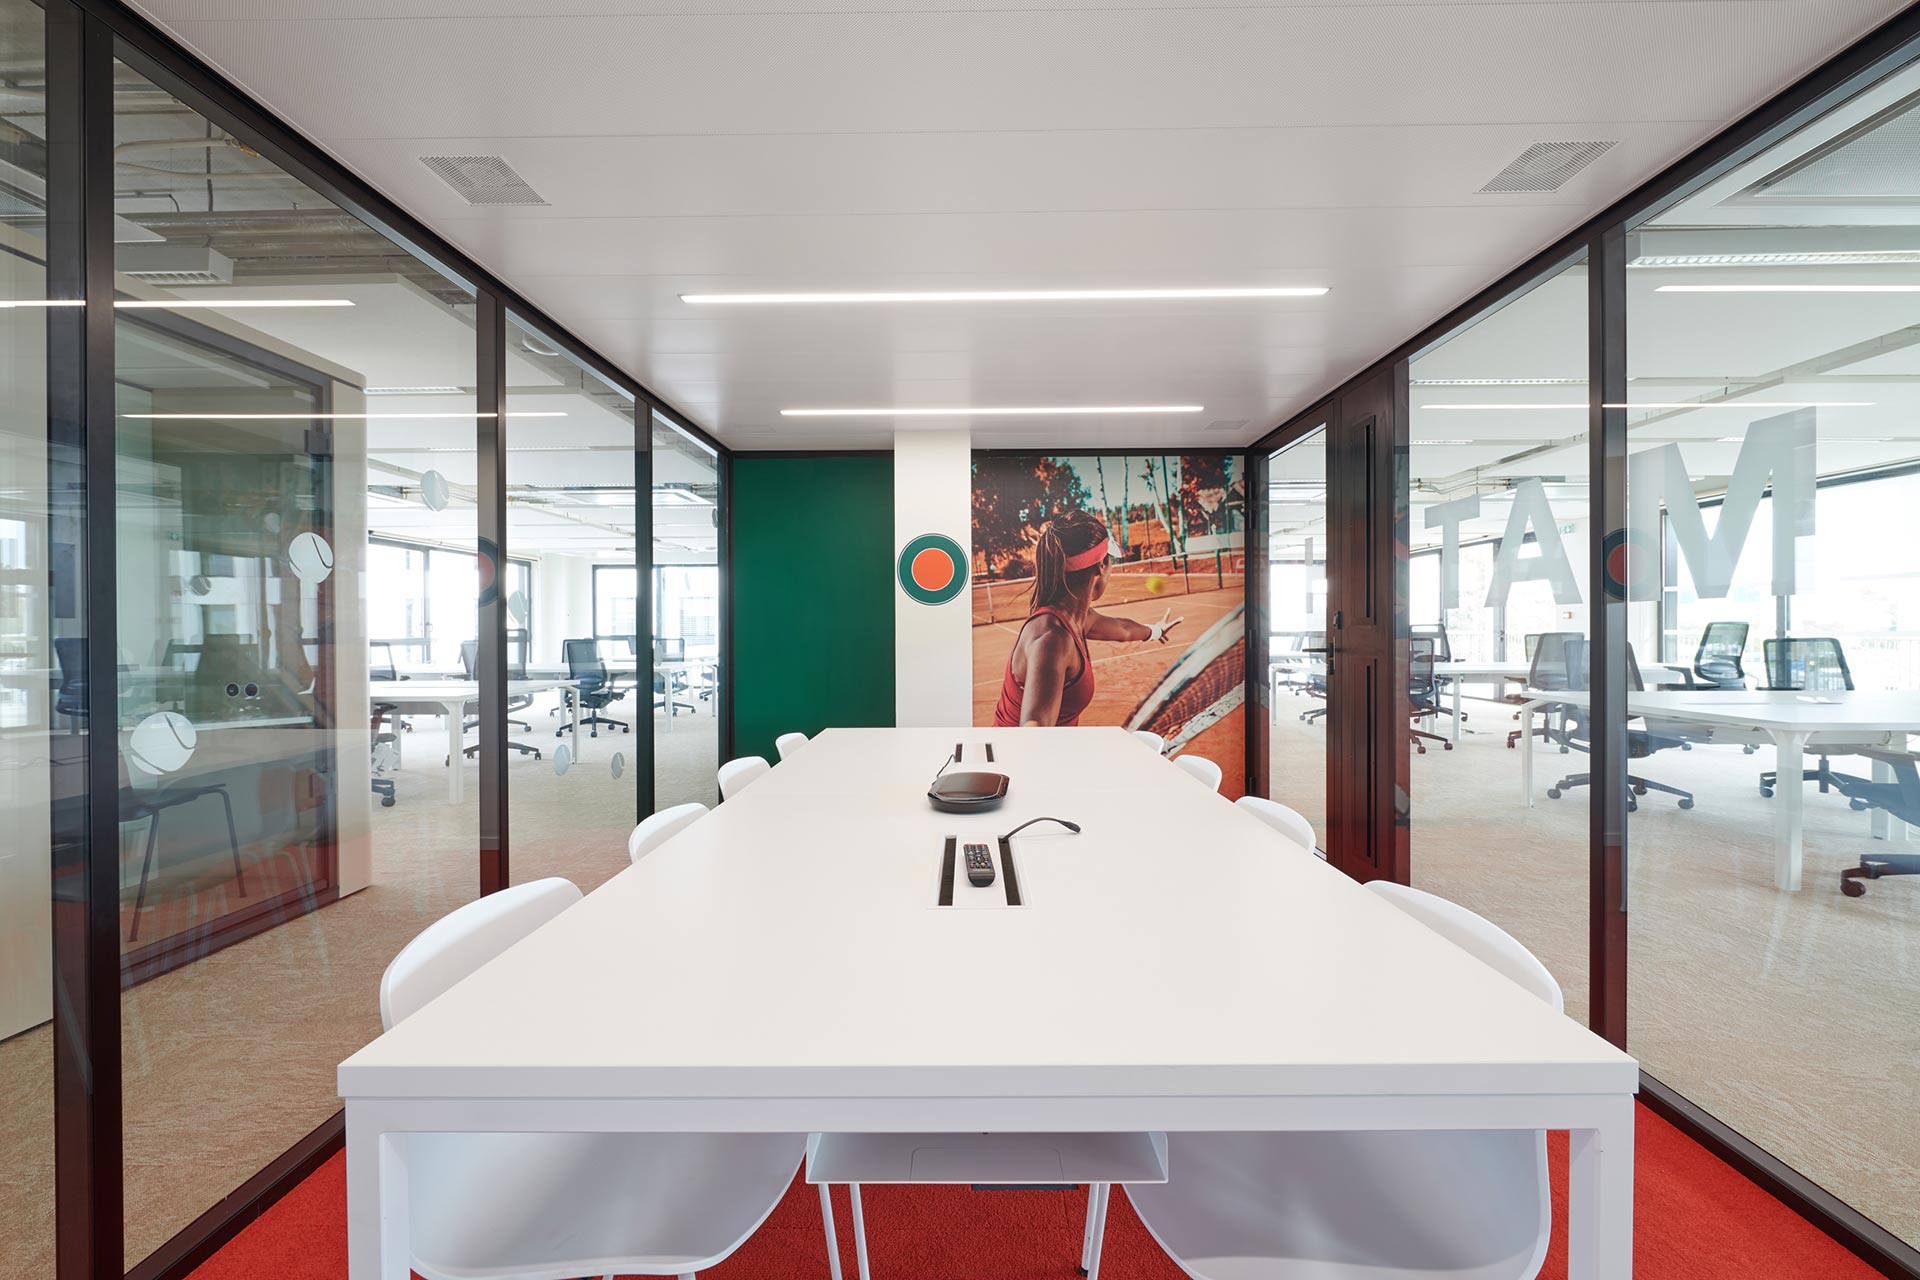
pixel 833 1239
pixel 233 842
pixel 146 867
pixel 859 1231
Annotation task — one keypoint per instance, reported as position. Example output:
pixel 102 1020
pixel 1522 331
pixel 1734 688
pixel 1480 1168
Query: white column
pixel 932 644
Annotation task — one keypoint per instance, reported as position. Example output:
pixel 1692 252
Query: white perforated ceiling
pixel 716 146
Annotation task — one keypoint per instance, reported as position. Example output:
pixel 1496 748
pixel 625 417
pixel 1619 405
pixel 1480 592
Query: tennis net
pixel 1011 599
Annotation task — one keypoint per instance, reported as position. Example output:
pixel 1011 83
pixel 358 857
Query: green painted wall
pixel 812 596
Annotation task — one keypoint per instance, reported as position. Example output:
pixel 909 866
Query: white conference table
pixel 450 699
pixel 1790 721
pixel 803 981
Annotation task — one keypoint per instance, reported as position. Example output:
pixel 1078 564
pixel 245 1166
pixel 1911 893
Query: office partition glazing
pixel 1680 437
pixel 684 604
pixel 257 571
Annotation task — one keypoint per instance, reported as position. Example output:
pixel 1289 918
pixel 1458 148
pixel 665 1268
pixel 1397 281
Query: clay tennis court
pixel 1126 673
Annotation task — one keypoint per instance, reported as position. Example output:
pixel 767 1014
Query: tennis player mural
pixel 1111 590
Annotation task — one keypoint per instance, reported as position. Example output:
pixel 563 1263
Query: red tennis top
pixel 1073 699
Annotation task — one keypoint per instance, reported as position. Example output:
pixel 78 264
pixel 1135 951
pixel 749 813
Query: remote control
pixel 979 866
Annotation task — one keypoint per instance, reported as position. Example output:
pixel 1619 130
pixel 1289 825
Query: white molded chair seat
pixel 736 774
pixel 1154 740
pixel 1287 822
pixel 1202 768
pixel 1364 1206
pixel 661 827
pixel 550 1206
pixel 788 743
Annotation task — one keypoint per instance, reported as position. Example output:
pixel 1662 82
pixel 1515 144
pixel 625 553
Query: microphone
pixel 1071 826
pixel 951 756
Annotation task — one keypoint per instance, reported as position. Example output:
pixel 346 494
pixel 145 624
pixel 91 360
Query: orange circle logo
pixel 932 569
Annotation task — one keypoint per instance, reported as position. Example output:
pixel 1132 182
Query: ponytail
pixel 1066 535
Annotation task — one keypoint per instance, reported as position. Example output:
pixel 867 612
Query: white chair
pixel 1286 821
pixel 1202 768
pixel 662 827
pixel 1154 740
pixel 542 1206
pixel 1364 1205
pixel 788 743
pixel 736 774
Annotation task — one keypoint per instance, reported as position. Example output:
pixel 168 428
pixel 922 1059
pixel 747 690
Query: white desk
pixel 450 699
pixel 1462 671
pixel 805 982
pixel 1790 721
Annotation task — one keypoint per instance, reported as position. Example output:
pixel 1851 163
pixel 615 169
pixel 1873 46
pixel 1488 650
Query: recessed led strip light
pixel 1000 295
pixel 309 417
pixel 1677 404
pixel 1788 288
pixel 182 304
pixel 995 411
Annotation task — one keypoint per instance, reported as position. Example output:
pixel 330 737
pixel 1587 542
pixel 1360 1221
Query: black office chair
pixel 516 670
pixel 592 688
pixel 1810 664
pixel 1314 685
pixel 1422 693
pixel 1901 798
pixel 1576 732
pixel 150 804
pixel 1551 659
pixel 661 687
pixel 1716 663
pixel 70 699
pixel 1442 652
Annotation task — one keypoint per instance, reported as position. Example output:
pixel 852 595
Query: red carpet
pixel 1694 1219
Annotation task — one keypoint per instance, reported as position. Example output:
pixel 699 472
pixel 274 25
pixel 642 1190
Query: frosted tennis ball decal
pixel 618 764
pixel 562 761
pixel 311 557
pixel 434 491
pixel 271 522
pixel 162 743
pixel 517 606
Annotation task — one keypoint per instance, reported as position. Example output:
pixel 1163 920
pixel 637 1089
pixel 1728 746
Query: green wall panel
pixel 812 596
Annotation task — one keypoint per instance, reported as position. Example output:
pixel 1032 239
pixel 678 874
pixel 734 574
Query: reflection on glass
pixel 1772 481
pixel 293 801
pixel 1296 624
pixel 686 618
pixel 34 728
pixel 572 663
pixel 1498 603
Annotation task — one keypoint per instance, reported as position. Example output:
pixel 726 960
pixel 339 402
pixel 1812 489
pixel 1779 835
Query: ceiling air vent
pixel 1544 167
pixel 482 179
pixel 1226 424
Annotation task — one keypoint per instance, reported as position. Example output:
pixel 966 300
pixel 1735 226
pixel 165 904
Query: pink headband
pixel 1093 555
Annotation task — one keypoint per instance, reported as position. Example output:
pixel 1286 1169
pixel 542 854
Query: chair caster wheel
pixel 1639 791
pixel 1447 745
pixel 1632 805
pixel 386 802
pixel 1853 888
pixel 1686 804
pixel 1767 792
pixel 536 755
pixel 1858 806
pixel 1553 793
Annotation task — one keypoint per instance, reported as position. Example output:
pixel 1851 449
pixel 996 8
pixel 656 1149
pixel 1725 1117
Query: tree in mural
pixel 1206 481
pixel 1013 496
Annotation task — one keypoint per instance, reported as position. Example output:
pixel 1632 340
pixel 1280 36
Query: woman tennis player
pixel 1049 678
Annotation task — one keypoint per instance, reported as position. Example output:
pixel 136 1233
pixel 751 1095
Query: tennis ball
pixel 1156 584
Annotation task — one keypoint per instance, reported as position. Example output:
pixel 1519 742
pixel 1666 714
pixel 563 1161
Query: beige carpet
pixel 1794 1017
pixel 228 1061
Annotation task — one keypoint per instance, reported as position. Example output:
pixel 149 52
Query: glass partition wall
pixel 241 684
pixel 684 604
pixel 1662 637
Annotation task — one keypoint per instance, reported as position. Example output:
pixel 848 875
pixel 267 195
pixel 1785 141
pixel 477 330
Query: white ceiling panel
pixel 697 146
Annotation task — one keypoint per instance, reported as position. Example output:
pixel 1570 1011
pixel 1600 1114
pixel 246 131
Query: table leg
pixel 833 1238
pixel 1789 798
pixel 1099 1231
pixel 1454 733
pixel 1526 751
pixel 377 1241
pixel 575 700
pixel 1600 1199
pixel 455 715
pixel 1877 822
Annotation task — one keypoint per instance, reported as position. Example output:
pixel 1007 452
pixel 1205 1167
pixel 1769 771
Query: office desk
pixel 449 699
pixel 1462 671
pixel 1789 721
pixel 1240 984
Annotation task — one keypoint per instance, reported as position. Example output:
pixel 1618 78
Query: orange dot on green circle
pixel 932 569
